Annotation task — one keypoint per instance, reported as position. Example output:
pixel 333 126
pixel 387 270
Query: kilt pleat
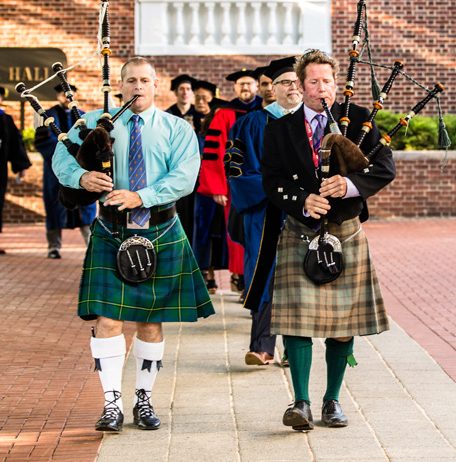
pixel 176 293
pixel 350 305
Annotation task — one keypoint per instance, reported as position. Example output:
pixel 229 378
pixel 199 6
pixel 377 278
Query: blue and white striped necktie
pixel 137 169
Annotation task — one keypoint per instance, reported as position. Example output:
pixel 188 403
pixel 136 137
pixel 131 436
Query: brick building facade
pixel 417 32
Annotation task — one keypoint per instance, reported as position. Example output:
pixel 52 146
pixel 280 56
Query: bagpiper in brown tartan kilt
pixel 350 305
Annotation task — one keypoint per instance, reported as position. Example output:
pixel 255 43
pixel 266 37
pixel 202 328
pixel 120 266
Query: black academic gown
pixel 12 150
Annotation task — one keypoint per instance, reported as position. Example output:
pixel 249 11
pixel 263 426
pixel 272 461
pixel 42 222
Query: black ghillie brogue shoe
pixel 299 416
pixel 332 414
pixel 143 413
pixel 112 418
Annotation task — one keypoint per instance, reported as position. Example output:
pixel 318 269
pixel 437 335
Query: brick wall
pixel 417 32
pixel 420 189
pixel 24 200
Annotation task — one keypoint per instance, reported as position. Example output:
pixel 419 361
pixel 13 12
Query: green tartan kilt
pixel 350 305
pixel 176 293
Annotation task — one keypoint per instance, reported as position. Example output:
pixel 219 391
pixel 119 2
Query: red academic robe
pixel 212 178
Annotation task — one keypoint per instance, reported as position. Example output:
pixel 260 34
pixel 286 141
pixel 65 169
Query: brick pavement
pixel 415 261
pixel 49 396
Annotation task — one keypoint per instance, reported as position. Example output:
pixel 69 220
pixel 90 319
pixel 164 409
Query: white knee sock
pixel 110 352
pixel 147 356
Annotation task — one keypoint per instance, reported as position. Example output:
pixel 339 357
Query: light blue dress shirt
pixel 170 150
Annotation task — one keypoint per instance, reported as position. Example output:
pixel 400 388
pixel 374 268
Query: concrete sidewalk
pixel 399 399
pixel 213 407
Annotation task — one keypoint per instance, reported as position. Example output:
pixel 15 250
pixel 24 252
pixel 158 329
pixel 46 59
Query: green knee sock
pixel 338 354
pixel 299 351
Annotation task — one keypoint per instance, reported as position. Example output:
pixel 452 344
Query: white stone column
pixel 210 23
pixel 272 24
pixel 226 24
pixel 256 26
pixel 179 40
pixel 287 23
pixel 194 24
pixel 241 24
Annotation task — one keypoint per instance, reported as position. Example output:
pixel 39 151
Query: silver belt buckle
pixel 132 225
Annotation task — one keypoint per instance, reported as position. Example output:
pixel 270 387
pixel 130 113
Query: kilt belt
pixel 122 218
pixel 350 305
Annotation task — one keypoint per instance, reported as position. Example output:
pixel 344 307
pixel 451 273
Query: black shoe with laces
pixel 299 416
pixel 143 413
pixel 112 418
pixel 332 414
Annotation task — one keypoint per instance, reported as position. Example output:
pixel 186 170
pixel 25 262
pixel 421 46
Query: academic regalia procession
pixel 270 185
pixel 212 179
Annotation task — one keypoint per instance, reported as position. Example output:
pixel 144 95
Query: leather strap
pixel 156 217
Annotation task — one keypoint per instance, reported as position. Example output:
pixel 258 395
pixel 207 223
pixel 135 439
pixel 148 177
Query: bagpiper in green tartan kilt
pixel 176 293
pixel 350 305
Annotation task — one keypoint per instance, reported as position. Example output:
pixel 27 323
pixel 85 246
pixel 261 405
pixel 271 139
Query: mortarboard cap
pixel 259 71
pixel 280 66
pixel 235 76
pixel 183 78
pixel 59 89
pixel 206 85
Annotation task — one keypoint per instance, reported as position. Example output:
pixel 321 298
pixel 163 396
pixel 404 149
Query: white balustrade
pixel 226 24
pixel 256 26
pixel 194 24
pixel 241 26
pixel 210 24
pixel 204 27
pixel 272 29
pixel 179 30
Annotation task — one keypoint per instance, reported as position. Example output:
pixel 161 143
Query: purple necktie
pixel 318 131
pixel 137 169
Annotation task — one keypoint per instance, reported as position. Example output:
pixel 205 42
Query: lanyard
pixel 315 158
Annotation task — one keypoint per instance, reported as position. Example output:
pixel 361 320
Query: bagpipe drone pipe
pixel 347 156
pixel 339 155
pixel 95 151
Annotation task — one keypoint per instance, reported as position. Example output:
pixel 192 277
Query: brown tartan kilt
pixel 350 305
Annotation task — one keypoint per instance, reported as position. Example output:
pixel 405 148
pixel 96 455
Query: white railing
pixel 200 27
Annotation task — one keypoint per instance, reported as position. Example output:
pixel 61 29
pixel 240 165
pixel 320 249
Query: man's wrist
pixel 81 179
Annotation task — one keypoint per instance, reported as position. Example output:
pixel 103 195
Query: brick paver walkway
pixel 49 396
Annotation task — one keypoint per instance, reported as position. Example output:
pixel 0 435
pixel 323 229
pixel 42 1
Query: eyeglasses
pixel 202 98
pixel 286 82
pixel 249 84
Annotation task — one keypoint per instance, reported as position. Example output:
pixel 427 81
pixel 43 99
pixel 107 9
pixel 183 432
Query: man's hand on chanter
pixel 124 198
pixel 96 182
pixel 316 206
pixel 335 186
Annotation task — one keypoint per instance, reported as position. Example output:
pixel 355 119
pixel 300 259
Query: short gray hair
pixel 136 61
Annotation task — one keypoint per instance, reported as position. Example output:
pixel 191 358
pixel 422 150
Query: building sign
pixel 31 66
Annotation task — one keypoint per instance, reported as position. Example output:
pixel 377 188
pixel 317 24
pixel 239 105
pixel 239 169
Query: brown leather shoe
pixel 299 416
pixel 332 414
pixel 252 358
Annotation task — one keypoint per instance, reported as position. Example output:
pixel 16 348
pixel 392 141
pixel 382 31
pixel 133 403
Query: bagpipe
pixel 95 151
pixel 337 142
pixel 339 155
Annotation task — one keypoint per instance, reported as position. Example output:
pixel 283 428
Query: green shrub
pixel 421 134
pixel 28 135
